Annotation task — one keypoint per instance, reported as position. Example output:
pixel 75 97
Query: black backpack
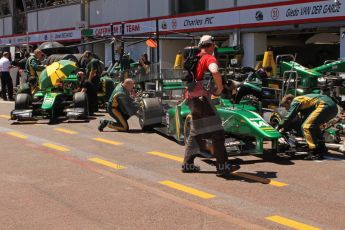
pixel 190 64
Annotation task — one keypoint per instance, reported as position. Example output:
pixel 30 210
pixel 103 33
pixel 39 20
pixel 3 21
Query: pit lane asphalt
pixel 46 187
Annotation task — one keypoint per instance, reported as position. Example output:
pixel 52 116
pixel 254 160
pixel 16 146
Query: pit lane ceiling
pixel 273 14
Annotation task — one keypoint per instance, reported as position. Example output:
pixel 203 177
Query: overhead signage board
pixel 142 27
pixel 274 14
pixel 103 31
pixel 198 22
pixel 87 32
pixel 61 36
pixel 295 12
pixel 280 14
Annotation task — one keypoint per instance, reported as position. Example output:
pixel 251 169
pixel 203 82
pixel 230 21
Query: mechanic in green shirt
pixel 93 68
pixel 34 65
pixel 93 76
pixel 121 107
pixel 315 110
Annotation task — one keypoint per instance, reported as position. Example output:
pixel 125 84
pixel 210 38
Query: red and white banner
pixel 68 35
pixel 198 22
pixel 302 12
pixel 142 27
pixel 274 14
pixel 103 31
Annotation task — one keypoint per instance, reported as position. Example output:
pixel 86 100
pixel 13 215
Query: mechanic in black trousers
pixel 6 80
pixel 205 121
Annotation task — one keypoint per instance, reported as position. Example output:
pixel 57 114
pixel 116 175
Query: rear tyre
pixel 275 120
pixel 80 101
pixel 187 127
pixel 150 113
pixel 109 88
pixel 23 101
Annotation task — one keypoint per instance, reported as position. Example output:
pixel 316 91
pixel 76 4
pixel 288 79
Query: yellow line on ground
pixel 187 189
pixel 277 183
pixel 165 155
pixel 66 131
pixel 107 141
pixel 15 134
pixel 106 163
pixel 259 179
pixel 56 147
pixel 291 223
pixel 5 116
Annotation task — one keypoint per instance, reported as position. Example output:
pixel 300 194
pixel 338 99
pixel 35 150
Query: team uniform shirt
pixel 94 65
pixel 206 63
pixel 126 105
pixel 305 105
pixel 32 66
pixel 5 64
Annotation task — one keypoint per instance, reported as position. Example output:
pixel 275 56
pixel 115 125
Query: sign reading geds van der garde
pixel 303 11
pixel 257 16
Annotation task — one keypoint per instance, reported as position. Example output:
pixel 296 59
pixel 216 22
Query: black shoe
pixel 322 151
pixel 314 156
pixel 228 171
pixel 190 168
pixel 102 125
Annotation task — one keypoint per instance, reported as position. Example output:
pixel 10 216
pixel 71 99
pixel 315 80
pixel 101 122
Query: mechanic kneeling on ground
pixel 121 107
pixel 315 109
pixel 205 121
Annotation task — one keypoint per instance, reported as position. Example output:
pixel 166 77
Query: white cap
pixel 206 39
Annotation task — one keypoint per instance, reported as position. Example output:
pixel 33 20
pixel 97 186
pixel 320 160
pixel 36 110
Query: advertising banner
pixel 140 27
pixel 104 31
pixel 61 36
pixel 296 12
pixel 270 15
pixel 199 22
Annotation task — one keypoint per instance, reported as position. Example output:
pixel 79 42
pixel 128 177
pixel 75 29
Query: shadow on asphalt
pixel 261 177
pixel 335 156
pixel 132 131
pixel 55 122
pixel 262 159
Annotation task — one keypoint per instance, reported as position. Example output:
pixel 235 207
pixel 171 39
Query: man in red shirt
pixel 205 121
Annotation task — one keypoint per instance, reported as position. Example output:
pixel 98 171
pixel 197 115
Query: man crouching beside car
pixel 121 107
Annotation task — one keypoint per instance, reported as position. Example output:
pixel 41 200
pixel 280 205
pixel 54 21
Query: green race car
pixel 245 129
pixel 51 103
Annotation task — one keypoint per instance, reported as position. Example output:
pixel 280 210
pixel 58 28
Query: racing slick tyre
pixel 23 101
pixel 150 113
pixel 109 87
pixel 275 119
pixel 186 128
pixel 80 101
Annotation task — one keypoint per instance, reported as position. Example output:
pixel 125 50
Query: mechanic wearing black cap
pixel 205 121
